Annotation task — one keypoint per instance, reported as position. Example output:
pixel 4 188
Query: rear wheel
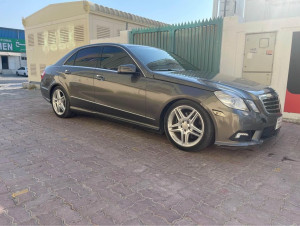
pixel 60 103
pixel 17 73
pixel 188 126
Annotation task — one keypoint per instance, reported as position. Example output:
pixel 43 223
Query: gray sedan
pixel 149 87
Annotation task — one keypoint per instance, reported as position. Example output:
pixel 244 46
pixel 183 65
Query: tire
pixel 61 103
pixel 17 73
pixel 188 126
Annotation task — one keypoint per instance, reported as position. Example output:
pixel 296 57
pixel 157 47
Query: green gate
pixel 199 43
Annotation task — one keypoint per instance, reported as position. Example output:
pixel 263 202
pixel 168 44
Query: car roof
pixel 109 43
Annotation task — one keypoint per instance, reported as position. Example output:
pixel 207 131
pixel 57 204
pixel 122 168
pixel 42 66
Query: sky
pixel 168 11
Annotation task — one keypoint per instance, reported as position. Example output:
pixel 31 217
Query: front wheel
pixel 61 103
pixel 188 126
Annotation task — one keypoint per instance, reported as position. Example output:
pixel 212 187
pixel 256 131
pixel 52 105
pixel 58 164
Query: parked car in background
pixel 152 88
pixel 22 71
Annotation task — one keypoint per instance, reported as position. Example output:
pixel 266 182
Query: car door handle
pixel 67 72
pixel 100 77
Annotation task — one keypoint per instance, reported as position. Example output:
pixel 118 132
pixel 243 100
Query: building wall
pixel 14 62
pixel 42 53
pixel 16 52
pixel 58 28
pixel 271 9
pixel 122 39
pixel 47 43
pixel 233 44
pixel 104 27
pixel 256 10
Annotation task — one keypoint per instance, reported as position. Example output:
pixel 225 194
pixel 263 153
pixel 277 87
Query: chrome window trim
pixel 112 107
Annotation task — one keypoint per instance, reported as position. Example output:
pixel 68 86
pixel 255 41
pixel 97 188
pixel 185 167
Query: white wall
pixel 233 43
pixel 23 62
pixel 271 9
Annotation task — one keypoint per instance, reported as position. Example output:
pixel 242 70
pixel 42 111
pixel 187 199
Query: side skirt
pixel 115 117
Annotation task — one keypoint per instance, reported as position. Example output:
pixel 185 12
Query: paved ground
pixel 88 170
pixel 11 81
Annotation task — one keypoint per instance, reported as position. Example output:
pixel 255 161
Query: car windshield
pixel 159 60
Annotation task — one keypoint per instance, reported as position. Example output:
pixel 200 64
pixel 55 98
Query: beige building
pixel 58 28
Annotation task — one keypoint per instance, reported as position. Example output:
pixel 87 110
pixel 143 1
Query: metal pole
pixel 225 3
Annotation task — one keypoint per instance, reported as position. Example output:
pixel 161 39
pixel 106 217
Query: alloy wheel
pixel 185 126
pixel 59 102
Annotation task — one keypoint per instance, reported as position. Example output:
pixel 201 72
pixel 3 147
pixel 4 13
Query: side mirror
pixel 127 69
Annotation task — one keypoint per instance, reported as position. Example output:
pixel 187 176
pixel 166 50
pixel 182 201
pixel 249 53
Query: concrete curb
pixel 31 85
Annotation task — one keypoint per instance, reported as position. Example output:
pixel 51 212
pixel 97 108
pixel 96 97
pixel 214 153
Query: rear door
pixel 121 95
pixel 79 73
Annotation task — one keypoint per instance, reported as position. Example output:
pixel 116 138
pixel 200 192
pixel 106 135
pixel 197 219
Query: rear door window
pixel 71 60
pixel 87 57
pixel 112 57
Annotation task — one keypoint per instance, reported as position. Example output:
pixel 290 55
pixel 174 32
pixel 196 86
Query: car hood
pixel 242 87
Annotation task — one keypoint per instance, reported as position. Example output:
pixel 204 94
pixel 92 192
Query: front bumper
pixel 232 127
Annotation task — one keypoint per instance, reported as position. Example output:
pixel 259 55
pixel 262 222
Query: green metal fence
pixel 198 42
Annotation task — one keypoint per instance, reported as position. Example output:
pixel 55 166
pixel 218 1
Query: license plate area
pixel 278 123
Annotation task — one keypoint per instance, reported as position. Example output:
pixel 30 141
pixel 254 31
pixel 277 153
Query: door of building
pixel 4 62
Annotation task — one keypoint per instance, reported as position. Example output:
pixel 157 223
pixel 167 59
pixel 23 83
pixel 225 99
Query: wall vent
pixel 103 32
pixel 40 38
pixel 32 69
pixel 30 40
pixel 64 35
pixel 79 33
pixel 51 37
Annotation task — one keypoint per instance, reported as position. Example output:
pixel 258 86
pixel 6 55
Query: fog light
pixel 238 135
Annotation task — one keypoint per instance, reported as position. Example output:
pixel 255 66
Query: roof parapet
pixel 93 7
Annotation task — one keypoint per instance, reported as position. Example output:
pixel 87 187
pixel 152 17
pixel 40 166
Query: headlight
pixel 252 105
pixel 231 100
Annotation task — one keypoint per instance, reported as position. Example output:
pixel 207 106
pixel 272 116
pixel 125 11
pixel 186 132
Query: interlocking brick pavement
pixel 87 170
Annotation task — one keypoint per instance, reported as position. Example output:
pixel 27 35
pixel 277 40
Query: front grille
pixel 271 103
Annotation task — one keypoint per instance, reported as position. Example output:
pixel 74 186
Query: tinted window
pixel 87 57
pixel 112 57
pixel 71 60
pixel 159 60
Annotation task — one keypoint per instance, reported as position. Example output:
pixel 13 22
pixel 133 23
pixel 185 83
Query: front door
pixel 121 95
